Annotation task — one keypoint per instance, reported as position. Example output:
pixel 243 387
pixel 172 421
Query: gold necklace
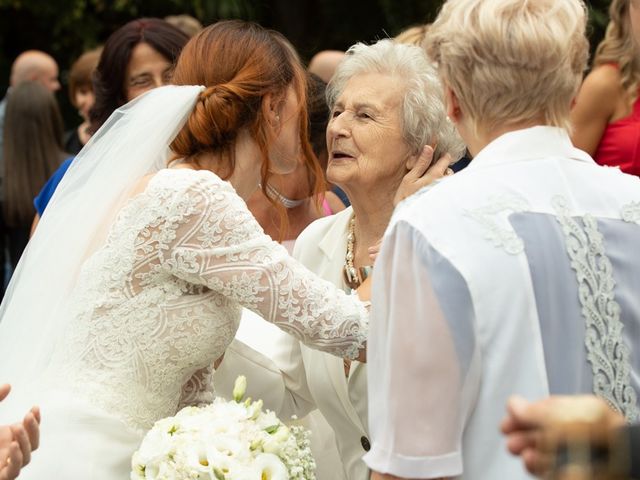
pixel 354 277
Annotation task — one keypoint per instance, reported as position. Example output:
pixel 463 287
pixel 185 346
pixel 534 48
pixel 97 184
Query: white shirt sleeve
pixel 419 352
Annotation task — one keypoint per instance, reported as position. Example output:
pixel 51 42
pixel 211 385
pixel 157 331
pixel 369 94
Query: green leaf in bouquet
pixel 219 475
pixel 272 429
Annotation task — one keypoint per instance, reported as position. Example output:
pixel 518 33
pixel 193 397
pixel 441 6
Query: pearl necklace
pixel 354 277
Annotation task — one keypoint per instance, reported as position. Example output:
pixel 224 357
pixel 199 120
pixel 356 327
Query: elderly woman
pixel 516 275
pixel 386 105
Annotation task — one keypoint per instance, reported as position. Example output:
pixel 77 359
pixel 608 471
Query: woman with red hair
pixel 146 255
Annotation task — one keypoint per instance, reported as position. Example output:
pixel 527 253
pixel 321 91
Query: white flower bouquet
pixel 227 440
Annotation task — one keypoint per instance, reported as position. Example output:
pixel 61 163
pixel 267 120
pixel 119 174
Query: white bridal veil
pixel 132 143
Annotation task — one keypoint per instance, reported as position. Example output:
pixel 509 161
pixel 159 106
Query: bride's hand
pixel 422 174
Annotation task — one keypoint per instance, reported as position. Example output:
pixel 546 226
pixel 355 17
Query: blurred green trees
pixel 65 28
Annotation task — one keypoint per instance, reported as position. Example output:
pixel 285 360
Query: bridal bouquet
pixel 227 440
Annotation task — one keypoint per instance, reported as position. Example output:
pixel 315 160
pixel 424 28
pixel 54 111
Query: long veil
pixel 133 142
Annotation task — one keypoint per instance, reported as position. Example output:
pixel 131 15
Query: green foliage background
pixel 65 28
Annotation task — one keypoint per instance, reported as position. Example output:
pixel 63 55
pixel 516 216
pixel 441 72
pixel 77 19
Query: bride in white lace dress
pixel 135 279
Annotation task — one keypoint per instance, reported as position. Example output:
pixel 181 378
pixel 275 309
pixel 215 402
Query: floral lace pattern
pixel 631 212
pixel 606 351
pixel 490 215
pixel 161 300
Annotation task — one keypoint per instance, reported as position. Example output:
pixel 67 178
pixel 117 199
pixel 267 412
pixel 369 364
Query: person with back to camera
pixel 513 276
pixel 32 152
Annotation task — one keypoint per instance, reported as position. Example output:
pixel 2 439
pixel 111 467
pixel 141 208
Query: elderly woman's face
pixel 364 136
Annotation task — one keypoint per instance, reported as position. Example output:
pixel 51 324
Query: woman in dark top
pixel 32 152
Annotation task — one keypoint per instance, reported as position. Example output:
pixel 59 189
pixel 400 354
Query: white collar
pixel 528 144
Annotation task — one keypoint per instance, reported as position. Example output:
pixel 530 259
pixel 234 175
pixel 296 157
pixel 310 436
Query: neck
pixel 475 143
pixel 372 218
pixel 246 174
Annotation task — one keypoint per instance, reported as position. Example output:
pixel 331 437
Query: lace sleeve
pixel 218 243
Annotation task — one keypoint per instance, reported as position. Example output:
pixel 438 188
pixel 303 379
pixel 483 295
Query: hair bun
pixel 217 116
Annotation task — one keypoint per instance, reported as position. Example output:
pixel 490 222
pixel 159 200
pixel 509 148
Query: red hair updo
pixel 239 63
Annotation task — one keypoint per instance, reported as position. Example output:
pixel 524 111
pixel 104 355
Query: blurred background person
pixel 513 276
pixel 188 24
pixel 32 151
pixel 606 116
pixel 375 138
pixel 31 65
pixel 82 98
pixel 581 437
pixel 136 58
pixel 324 63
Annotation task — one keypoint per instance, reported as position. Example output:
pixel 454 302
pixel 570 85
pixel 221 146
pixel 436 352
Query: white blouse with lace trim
pixel 161 300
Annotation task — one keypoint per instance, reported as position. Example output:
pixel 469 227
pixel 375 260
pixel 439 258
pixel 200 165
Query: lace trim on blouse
pixel 494 214
pixel 606 351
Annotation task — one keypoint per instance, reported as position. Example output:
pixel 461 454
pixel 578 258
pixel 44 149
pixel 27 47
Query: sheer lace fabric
pixel 161 300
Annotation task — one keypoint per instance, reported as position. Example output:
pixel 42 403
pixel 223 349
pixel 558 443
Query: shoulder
pixel 311 236
pixel 186 180
pixel 603 80
pixel 195 190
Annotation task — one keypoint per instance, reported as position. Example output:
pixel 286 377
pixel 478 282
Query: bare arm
pixel 595 107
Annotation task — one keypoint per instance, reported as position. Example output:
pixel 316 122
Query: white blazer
pixel 322 247
pixel 292 379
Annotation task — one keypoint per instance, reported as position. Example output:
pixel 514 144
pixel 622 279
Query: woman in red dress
pixel 606 116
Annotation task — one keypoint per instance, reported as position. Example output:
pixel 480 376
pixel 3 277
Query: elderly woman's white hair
pixel 425 119
pixel 511 61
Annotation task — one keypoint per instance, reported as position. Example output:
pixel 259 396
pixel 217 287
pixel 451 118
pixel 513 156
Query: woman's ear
pixel 453 105
pixel 272 108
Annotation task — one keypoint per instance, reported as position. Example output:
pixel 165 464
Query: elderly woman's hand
pixel 423 173
pixel 17 441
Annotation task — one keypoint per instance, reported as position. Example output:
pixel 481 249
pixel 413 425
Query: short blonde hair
pixel 511 61
pixel 424 115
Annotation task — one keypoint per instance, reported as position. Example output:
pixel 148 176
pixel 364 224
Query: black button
pixel 364 441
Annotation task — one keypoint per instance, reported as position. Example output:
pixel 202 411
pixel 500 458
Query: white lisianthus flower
pixel 271 467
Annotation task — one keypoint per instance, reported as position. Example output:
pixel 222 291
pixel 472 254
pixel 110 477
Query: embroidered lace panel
pixel 496 212
pixel 631 212
pixel 606 351
pixel 161 300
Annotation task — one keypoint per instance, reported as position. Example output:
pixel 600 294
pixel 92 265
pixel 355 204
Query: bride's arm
pixel 217 243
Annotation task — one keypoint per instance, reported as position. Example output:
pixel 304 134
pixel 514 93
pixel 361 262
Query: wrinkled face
pixel 634 17
pixel 364 136
pixel 83 100
pixel 285 151
pixel 147 70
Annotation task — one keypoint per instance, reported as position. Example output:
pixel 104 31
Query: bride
pixel 134 281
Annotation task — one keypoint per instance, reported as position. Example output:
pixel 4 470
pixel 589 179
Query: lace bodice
pixel 161 300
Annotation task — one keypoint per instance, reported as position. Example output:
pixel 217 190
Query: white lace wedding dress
pixel 156 305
